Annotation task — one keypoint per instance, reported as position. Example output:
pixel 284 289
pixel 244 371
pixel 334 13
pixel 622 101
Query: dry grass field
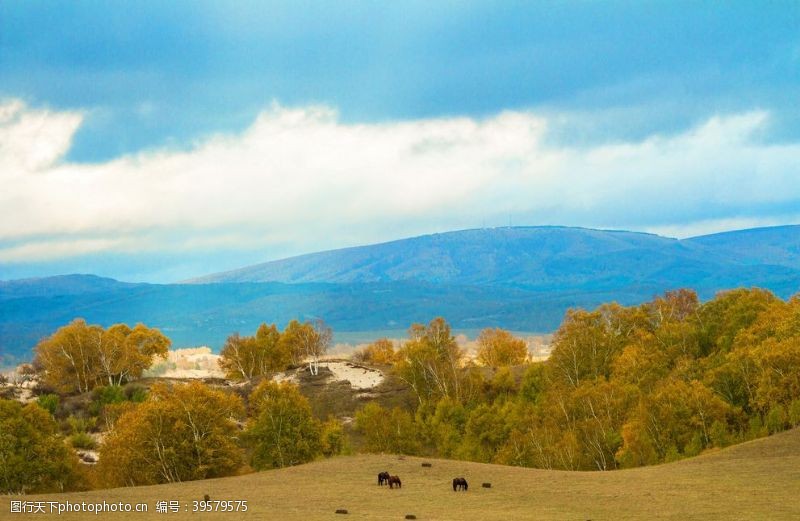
pixel 755 480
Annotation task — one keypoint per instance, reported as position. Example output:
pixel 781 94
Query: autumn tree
pixel 180 433
pixel 676 420
pixel 33 455
pixel 767 356
pixel 306 341
pixel 78 356
pixel 69 358
pixel 431 362
pixel 125 353
pixel 721 319
pixel 587 342
pixel 498 347
pixel 282 431
pixel 624 386
pixel 244 358
pixel 671 319
pixel 380 352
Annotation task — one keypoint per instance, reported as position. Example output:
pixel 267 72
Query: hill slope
pixel 60 285
pixel 755 480
pixel 547 258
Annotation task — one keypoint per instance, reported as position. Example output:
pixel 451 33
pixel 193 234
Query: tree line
pixel 623 386
pixel 174 433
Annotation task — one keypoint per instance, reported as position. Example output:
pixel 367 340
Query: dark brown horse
pixel 460 484
pixel 383 478
pixel 394 480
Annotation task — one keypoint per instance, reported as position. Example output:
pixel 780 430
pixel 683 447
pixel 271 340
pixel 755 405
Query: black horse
pixel 383 478
pixel 460 484
pixel 394 480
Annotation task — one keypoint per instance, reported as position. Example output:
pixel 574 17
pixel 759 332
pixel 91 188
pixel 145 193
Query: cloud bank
pixel 299 180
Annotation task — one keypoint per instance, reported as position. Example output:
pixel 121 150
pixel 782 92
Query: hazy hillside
pixel 546 258
pixel 205 314
pixel 778 245
pixel 518 278
pixel 60 285
pixel 754 480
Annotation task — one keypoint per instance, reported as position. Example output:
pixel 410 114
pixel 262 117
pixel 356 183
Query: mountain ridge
pixel 528 254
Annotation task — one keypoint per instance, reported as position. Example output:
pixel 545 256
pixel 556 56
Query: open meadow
pixel 754 480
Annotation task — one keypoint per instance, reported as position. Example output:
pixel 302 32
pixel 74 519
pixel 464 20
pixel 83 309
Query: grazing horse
pixel 460 484
pixel 383 477
pixel 394 480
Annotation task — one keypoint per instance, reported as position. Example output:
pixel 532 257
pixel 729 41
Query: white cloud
pixel 301 179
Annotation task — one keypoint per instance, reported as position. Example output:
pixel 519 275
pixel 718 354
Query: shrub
pixel 82 440
pixel 794 413
pixel 48 402
pixel 136 393
pixel 776 419
pixel 333 438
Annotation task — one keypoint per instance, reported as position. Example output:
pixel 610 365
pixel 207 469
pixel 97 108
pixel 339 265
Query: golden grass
pixel 754 480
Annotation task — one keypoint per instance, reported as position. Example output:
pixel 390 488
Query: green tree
pixel 446 427
pixel 282 430
pixel 333 439
pixel 392 431
pixel 33 455
pixel 486 431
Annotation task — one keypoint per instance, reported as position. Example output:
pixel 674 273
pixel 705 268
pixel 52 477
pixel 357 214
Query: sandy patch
pixel 358 376
pixel 22 388
pixel 88 457
pixel 193 362
pixel 286 377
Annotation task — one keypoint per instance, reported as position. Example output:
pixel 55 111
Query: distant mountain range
pixel 549 258
pixel 522 278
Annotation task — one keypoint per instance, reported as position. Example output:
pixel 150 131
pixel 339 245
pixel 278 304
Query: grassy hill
pixel 754 480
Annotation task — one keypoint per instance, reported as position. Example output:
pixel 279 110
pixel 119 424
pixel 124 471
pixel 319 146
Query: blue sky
pixel 126 89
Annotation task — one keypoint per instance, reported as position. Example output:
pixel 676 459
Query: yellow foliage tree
pixel 78 356
pixel 431 362
pixel 306 341
pixel 498 347
pixel 180 433
pixel 380 352
pixel 244 358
